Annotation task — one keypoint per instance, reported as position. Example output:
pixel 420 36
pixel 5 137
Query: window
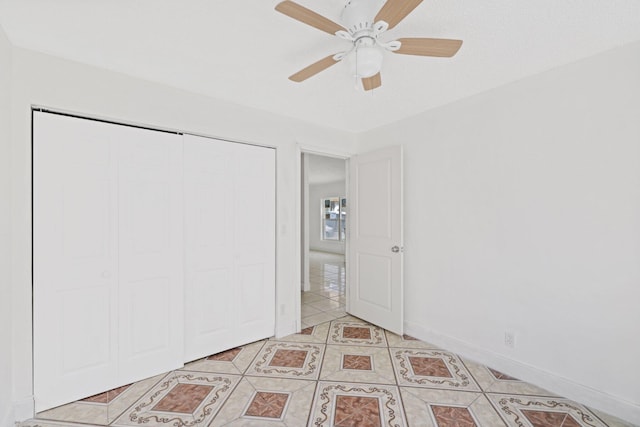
pixel 334 218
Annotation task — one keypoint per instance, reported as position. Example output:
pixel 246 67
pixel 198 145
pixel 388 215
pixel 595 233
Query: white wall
pixel 5 253
pixel 61 84
pixel 522 213
pixel 318 192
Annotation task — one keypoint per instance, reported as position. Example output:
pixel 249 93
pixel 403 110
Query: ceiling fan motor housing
pixel 358 15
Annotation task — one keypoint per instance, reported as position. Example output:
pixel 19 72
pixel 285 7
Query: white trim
pixel 565 387
pixel 22 409
pixel 321 151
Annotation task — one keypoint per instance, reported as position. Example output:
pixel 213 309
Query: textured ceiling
pixel 243 51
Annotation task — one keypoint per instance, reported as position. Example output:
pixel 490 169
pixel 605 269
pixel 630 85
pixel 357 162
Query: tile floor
pixel 342 373
pixel 325 300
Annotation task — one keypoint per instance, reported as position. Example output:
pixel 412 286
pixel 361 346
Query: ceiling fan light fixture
pixel 367 61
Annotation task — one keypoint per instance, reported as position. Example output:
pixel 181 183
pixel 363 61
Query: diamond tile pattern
pixel 550 419
pixel 343 373
pixel 107 396
pixel 183 398
pixel 452 416
pixel 357 411
pixel 289 358
pixel 356 362
pixel 500 376
pixel 267 405
pixel 429 367
pixel 356 333
pixel 226 356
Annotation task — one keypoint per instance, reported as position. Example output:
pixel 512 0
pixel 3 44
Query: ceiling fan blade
pixel 395 11
pixel 313 69
pixel 429 47
pixel 372 82
pixel 309 17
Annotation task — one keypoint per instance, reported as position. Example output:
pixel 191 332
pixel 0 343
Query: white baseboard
pixel 7 418
pixel 23 409
pixel 581 393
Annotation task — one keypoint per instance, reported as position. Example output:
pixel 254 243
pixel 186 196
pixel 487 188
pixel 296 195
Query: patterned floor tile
pixel 288 360
pixel 491 380
pixel 447 408
pixel 234 361
pixel 535 411
pixel 260 401
pixel 350 332
pixel 102 408
pixel 356 405
pixel 311 334
pixel 349 363
pixel 47 423
pixel 181 399
pixel 431 368
pixel 406 341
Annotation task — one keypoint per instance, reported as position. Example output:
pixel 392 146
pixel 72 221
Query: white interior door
pixel 230 245
pixel 108 280
pixel 75 259
pixel 375 241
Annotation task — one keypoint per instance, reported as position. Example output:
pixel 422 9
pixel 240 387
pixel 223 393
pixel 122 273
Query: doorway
pixel 324 239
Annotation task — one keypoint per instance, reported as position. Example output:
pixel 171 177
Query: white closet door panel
pixel 150 253
pixel 209 220
pixel 75 264
pixel 255 242
pixel 230 245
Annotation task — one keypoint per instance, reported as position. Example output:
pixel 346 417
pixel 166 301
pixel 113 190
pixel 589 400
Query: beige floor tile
pixel 348 332
pixel 432 369
pixel 166 405
pixel 310 334
pixel 308 297
pixel 514 409
pixel 325 305
pixel 361 364
pixel 334 400
pixel 316 319
pixel 425 407
pixel 229 365
pixel 297 360
pixel 285 402
pixel 494 381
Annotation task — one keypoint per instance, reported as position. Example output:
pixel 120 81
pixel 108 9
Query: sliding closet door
pixel 108 278
pixel 254 249
pixel 151 292
pixel 75 259
pixel 230 245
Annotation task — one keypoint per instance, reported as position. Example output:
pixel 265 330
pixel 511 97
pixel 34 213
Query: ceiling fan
pixel 363 22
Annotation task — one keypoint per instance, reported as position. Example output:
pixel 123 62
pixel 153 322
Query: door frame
pixel 303 256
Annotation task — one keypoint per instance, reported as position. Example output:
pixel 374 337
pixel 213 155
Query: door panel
pixel 74 259
pixel 375 274
pixel 209 223
pixel 107 279
pixel 230 245
pixel 150 253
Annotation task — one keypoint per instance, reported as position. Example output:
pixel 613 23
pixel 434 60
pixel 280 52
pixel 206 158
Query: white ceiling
pixel 243 51
pixel 325 170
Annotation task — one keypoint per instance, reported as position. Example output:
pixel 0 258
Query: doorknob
pixel 395 249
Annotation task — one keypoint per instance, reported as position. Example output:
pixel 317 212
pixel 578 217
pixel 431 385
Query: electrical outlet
pixel 510 339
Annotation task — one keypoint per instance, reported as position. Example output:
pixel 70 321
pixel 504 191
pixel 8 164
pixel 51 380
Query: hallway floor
pixel 325 300
pixel 342 373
